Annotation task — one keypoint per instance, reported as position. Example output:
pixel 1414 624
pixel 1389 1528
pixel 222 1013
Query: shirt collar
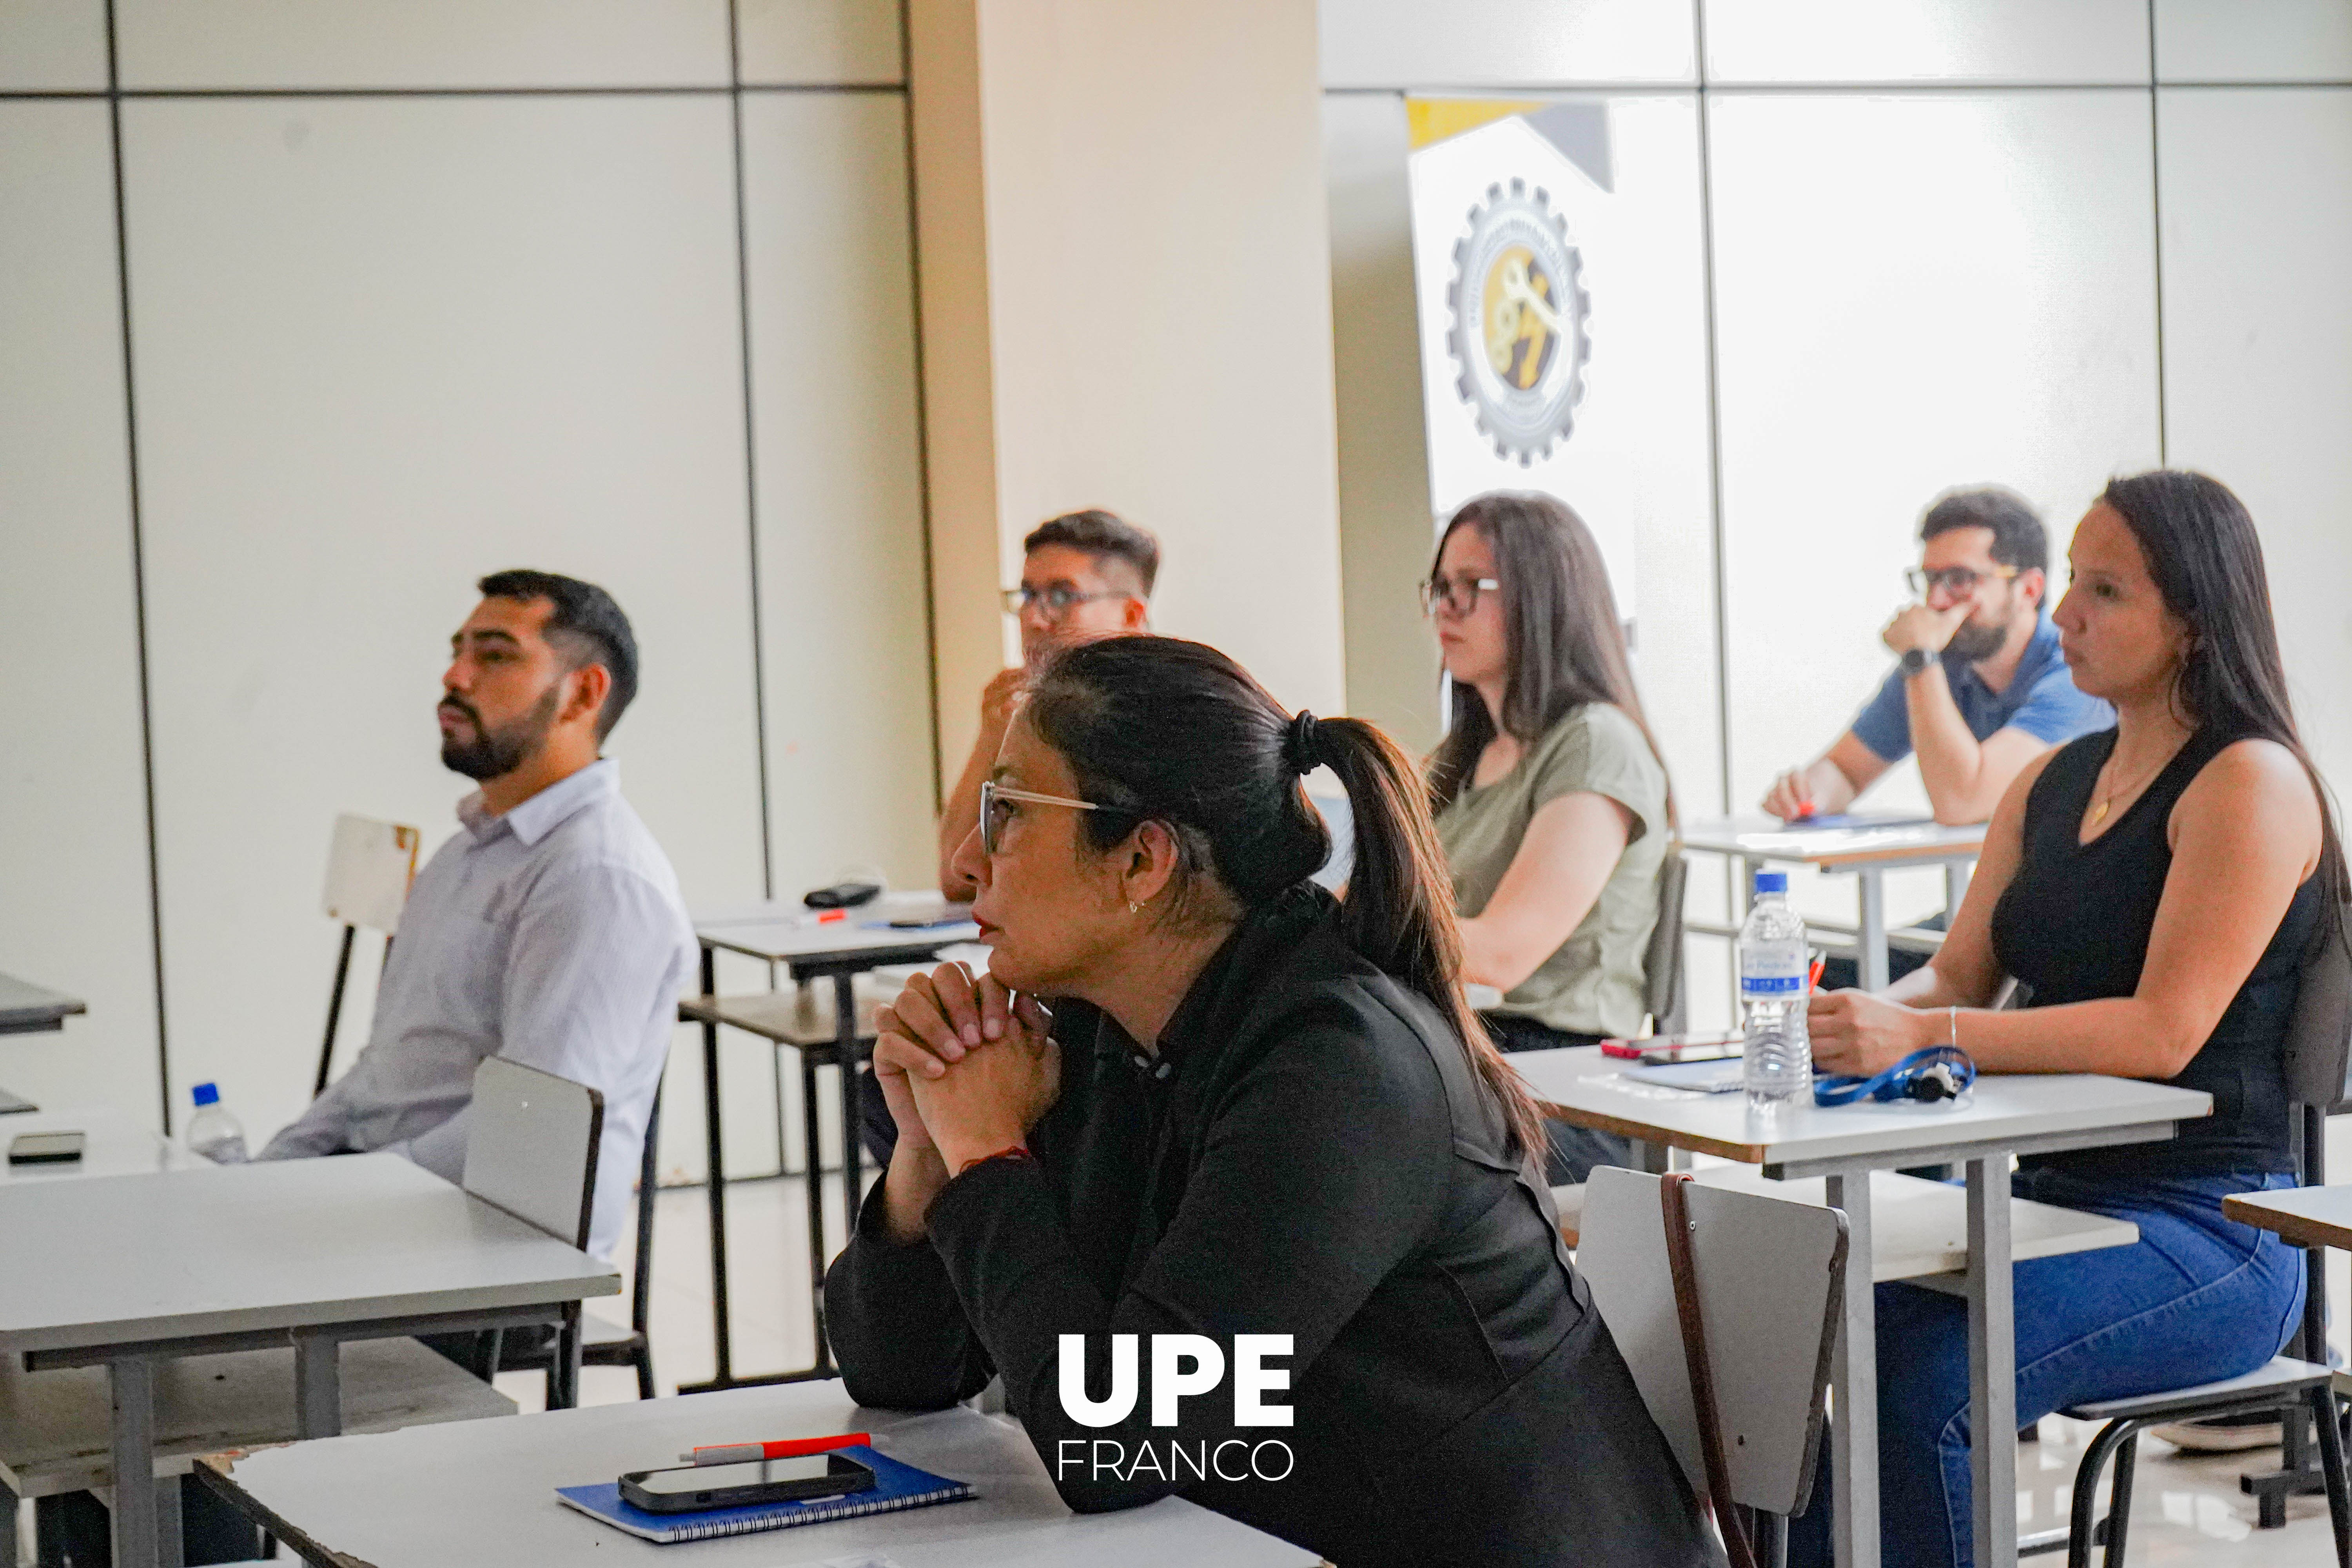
pixel 535 818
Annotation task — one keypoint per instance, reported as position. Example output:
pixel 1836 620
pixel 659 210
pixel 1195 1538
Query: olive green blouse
pixel 1593 984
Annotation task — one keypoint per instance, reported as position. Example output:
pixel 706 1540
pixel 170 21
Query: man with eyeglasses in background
pixel 1085 573
pixel 1979 689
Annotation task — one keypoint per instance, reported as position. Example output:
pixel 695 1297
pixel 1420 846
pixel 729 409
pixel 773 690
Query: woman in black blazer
pixel 1254 1170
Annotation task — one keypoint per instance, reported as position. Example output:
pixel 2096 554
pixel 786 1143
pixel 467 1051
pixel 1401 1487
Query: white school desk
pixel 1754 841
pixel 841 949
pixel 132 1270
pixel 470 1497
pixel 27 1009
pixel 112 1145
pixel 2005 1114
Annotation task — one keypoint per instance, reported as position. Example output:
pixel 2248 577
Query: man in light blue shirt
pixel 1979 689
pixel 549 929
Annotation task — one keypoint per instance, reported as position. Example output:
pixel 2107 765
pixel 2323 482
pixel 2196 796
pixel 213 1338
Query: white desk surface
pixel 2308 1216
pixel 1919 1228
pixel 113 1146
pixel 482 1494
pixel 1760 838
pixel 175 1255
pixel 1580 1085
pixel 25 1006
pixel 788 931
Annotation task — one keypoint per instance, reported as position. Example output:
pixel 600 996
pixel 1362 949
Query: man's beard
pixel 1973 642
pixel 493 752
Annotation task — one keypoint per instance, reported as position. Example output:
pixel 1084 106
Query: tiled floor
pixel 2186 1510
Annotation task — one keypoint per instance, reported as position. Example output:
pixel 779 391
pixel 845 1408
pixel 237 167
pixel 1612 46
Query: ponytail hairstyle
pixel 1172 731
pixel 2202 551
pixel 1560 629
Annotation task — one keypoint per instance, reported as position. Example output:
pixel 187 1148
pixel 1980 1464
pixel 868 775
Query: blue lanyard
pixel 1939 1072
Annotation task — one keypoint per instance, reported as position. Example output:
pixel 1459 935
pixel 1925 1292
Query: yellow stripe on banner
pixel 1429 120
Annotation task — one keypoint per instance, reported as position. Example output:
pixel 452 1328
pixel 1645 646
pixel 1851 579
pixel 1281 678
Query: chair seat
pixel 597 1332
pixel 2281 1380
pixel 796 1015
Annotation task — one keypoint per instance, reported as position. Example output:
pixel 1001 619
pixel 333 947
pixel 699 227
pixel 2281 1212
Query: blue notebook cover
pixel 896 1486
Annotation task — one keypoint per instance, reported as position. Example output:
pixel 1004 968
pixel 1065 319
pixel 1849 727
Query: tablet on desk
pixel 1718 1076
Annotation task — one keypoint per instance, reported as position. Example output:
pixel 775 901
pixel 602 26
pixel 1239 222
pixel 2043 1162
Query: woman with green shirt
pixel 1556 819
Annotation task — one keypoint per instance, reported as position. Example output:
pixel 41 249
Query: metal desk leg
pixel 813 1163
pixel 853 1157
pixel 722 1346
pixel 146 1512
pixel 318 1386
pixel 1955 887
pixel 1871 940
pixel 1853 1435
pixel 1992 1364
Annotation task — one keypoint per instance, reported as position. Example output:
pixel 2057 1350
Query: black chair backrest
pixel 2319 1036
pixel 1663 992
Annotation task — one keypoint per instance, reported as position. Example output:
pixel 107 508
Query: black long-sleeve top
pixel 1309 1154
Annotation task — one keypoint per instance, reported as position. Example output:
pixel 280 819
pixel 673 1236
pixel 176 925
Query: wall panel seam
pixel 750 449
pixel 137 572
pixel 922 416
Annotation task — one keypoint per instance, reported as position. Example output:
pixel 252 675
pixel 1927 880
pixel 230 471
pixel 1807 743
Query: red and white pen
pixel 789 1448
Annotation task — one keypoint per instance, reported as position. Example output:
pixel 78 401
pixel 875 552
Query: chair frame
pixel 2319 1041
pixel 637 1350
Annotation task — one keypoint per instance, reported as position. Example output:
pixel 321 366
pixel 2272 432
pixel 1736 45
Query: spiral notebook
pixel 896 1486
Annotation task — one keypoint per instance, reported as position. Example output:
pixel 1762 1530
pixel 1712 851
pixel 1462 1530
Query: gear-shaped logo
pixel 1521 322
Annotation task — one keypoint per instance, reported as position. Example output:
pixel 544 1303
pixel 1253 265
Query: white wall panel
pixel 422 42
pixel 1506 43
pixel 841 582
pixel 1912 293
pixel 386 346
pixel 820 41
pixel 2258 355
pixel 74 909
pixel 1926 40
pixel 2277 40
pixel 1384 522
pixel 46 45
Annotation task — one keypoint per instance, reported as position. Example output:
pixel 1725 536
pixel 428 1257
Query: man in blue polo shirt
pixel 1981 688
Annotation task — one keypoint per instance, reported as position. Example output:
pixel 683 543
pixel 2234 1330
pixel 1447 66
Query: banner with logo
pixel 1531 302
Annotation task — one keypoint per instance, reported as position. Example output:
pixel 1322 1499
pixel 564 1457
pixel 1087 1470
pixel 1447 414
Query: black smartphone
pixel 45 1149
pixel 690 1489
pixel 841 894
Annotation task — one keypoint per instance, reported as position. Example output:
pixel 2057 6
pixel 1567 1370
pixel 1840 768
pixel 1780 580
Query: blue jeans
pixel 2198 1298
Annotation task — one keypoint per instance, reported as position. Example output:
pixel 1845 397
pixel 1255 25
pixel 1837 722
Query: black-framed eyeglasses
pixel 1459 595
pixel 996 803
pixel 1057 601
pixel 1960 582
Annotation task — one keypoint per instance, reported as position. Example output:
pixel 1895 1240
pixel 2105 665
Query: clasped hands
pixel 966 1067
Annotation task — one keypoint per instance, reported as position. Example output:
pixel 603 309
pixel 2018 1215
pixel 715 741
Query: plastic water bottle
pixel 212 1131
pixel 1778 1058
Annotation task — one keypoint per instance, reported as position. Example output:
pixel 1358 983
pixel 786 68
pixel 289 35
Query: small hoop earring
pixel 1133 907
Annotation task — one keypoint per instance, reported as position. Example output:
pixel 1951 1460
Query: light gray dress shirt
pixel 554 936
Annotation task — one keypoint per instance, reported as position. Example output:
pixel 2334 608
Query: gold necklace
pixel 2099 813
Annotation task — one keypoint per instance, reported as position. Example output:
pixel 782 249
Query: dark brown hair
pixel 2201 549
pixel 2017 537
pixel 1560 629
pixel 1176 733
pixel 1103 536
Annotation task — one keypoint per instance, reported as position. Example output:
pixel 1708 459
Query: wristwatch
pixel 1916 661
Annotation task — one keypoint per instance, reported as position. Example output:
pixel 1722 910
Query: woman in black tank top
pixel 2157 889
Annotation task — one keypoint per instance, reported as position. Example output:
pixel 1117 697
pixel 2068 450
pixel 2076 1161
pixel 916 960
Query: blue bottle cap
pixel 1771 881
pixel 206 1094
